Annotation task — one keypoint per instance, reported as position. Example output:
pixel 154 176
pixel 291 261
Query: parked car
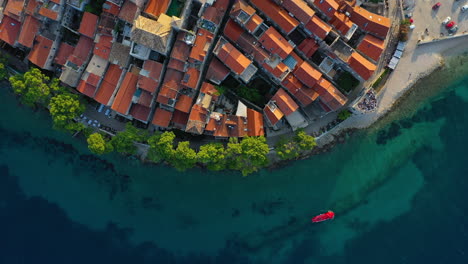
pixel 450 24
pixel 453 30
pixel 464 8
pixel 446 20
pixel 436 6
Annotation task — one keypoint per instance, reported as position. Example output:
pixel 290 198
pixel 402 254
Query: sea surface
pixel 399 190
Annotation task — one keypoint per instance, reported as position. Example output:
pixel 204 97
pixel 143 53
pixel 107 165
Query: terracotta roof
pixel 14 8
pixel 106 25
pixel 31 7
pixel 330 95
pixel 254 22
pixel 226 125
pixel 361 65
pixel 88 24
pixel 162 117
pixel 254 123
pixel 277 14
pixel 93 79
pixel 306 96
pixel 55 1
pixel 285 103
pixel 180 51
pixel 128 11
pixel 154 68
pixel 191 77
pixel 217 71
pixel 111 8
pixel 28 31
pixel 239 6
pixel 83 49
pixel 147 84
pixel 318 27
pixel 279 71
pixel 127 89
pixel 275 43
pixel 201 45
pixel 103 47
pixel 63 53
pixel 157 7
pixel 184 103
pixel 86 88
pixel 146 98
pixel 140 112
pixel 47 11
pixel 299 9
pixel 40 52
pixel 233 31
pixel 108 84
pixel 212 14
pixel 371 22
pixel 231 57
pixel 9 30
pixel 341 22
pixel 273 114
pixel 328 7
pixel 307 74
pixel 180 119
pixel 308 46
pixel 197 120
pixel 170 86
pixel 371 46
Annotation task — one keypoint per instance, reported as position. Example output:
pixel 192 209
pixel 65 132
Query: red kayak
pixel 323 217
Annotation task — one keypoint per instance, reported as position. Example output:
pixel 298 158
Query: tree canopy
pixel 32 86
pixel 161 146
pixel 248 156
pixel 98 145
pixel 124 141
pixel 292 149
pixel 213 155
pixel 184 157
pixel 63 108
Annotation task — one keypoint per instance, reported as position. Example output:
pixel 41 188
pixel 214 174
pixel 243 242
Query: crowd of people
pixel 369 102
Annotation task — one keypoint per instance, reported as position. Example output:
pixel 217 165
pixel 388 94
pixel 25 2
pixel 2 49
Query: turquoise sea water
pixel 398 190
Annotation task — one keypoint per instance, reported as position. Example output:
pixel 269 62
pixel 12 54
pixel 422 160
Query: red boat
pixel 323 217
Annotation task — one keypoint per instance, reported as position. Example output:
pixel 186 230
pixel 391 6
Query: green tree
pixel 287 150
pixel 63 108
pixel 3 71
pixel 32 86
pixel 161 146
pixel 98 145
pixel 343 115
pixel 213 155
pixel 249 155
pixel 304 141
pixel 124 141
pixel 184 157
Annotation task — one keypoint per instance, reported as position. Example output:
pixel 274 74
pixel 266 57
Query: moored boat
pixel 323 217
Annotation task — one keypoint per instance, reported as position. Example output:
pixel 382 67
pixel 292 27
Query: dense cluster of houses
pixel 161 68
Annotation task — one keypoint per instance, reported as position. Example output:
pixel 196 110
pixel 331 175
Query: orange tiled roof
pixel 184 103
pixel 227 125
pixel 170 87
pixel 28 31
pixel 40 51
pixel 239 6
pixel 308 46
pixel 330 95
pixel 180 119
pixel 197 120
pixel 128 11
pixel 157 7
pixel 361 65
pixel 254 22
pixel 140 112
pixel 93 79
pixel 233 31
pixel 88 24
pixel 162 117
pixel 306 96
pixel 81 51
pixel 31 7
pixel 371 22
pixel 108 84
pixel 212 14
pixel 201 45
pixel 341 22
pixel 86 88
pixel 191 77
pixel 274 43
pixel 299 9
pixel 217 71
pixel 147 84
pixel 146 98
pixel 307 74
pixel 9 30
pixel 285 103
pixel 111 8
pixel 14 8
pixel 318 27
pixel 49 13
pixel 103 47
pixel 232 57
pixel 273 114
pixel 277 14
pixel 154 68
pixel 254 123
pixel 328 7
pixel 127 89
pixel 180 51
pixel 371 46
pixel 63 53
pixel 279 71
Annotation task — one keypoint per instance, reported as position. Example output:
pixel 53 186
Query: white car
pixel 446 20
pixel 464 8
